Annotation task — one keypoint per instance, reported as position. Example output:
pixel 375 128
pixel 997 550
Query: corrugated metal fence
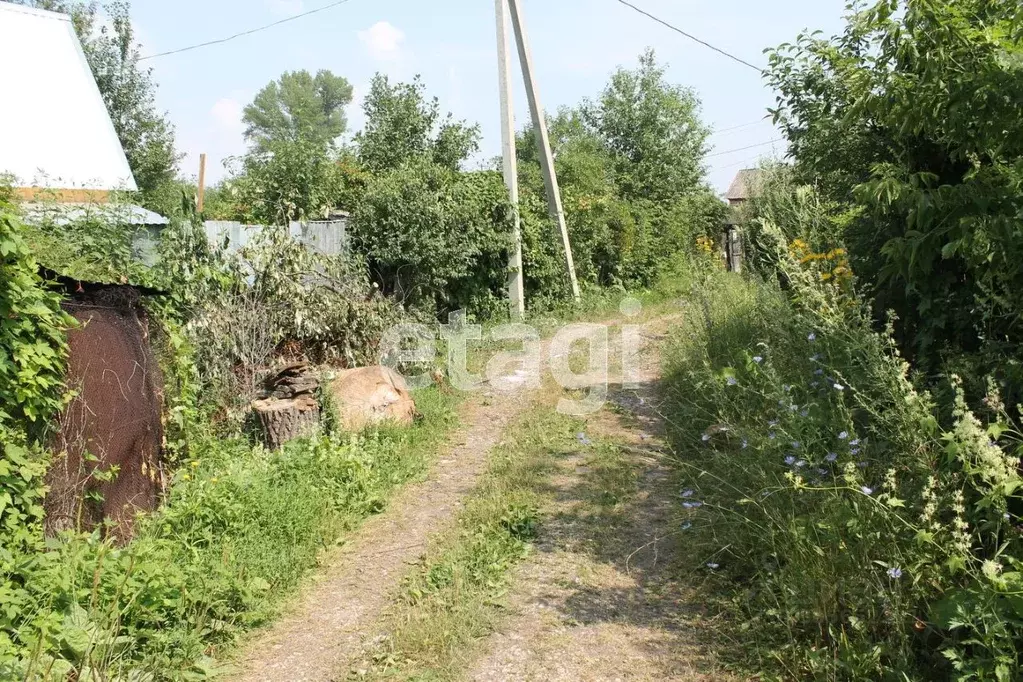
pixel 325 236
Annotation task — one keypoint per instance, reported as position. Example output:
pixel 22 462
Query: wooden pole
pixel 550 177
pixel 202 184
pixel 516 295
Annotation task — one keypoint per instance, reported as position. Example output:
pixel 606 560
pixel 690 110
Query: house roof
pixel 66 213
pixel 55 131
pixel 745 185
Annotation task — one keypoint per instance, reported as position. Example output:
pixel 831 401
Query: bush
pixel 436 239
pixel 240 527
pixel 855 538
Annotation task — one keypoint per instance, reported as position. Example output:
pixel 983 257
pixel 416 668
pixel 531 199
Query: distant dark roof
pixel 745 184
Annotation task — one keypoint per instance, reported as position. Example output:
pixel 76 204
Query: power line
pixel 716 131
pixel 692 37
pixel 740 149
pixel 245 33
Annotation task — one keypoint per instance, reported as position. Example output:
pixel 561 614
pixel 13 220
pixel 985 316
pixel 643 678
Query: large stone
pixel 371 395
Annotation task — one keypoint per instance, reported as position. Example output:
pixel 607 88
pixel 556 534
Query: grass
pixel 240 529
pixel 453 598
pixel 848 536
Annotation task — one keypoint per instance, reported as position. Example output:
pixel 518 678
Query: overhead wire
pixel 740 149
pixel 219 41
pixel 691 36
pixel 719 131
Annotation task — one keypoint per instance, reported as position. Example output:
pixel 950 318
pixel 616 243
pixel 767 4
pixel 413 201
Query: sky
pixel 576 46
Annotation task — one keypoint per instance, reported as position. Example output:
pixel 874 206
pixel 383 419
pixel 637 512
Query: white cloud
pixel 285 8
pixel 383 41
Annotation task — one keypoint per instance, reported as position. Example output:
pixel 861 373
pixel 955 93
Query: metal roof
pixel 55 131
pixel 64 213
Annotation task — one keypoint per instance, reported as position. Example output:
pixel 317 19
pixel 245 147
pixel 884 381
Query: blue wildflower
pixel 818 372
pixel 814 384
pixel 712 566
pixel 795 445
pixel 866 490
pixel 839 387
pixel 854 442
pixel 757 359
pixel 732 381
pixel 771 435
pixel 894 573
pixel 844 435
pixel 862 465
pixel 686 525
pixel 705 437
pixel 790 460
pixel 812 337
pixel 800 464
pixel 688 492
pixel 692 505
pixel 831 457
pixel 745 443
pixel 854 451
pixel 804 412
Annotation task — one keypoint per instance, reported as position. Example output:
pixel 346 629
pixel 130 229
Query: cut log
pixel 285 420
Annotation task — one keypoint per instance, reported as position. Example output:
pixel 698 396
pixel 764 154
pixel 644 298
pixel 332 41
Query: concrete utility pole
pixel 516 295
pixel 550 178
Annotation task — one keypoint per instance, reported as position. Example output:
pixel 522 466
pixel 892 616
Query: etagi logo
pixel 577 356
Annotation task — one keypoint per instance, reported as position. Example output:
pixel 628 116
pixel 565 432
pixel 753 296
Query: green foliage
pixel 629 166
pixel 240 527
pixel 285 180
pixel 298 107
pixel 96 242
pixel 33 352
pixel 402 127
pixel 652 132
pixel 911 116
pixel 434 236
pixel 854 537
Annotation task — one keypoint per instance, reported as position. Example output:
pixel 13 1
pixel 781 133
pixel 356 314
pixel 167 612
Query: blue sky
pixel 576 45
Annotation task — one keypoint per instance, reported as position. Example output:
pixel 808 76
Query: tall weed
pixel 241 527
pixel 854 537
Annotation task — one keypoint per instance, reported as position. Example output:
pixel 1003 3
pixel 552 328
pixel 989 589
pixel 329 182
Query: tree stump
pixel 285 420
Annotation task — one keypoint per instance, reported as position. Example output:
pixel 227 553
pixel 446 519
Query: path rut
pixel 331 618
pixel 600 599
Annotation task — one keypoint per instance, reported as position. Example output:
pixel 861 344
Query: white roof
pixel 54 127
pixel 66 213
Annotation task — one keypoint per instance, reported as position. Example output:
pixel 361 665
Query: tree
pixel 128 92
pixel 402 126
pixel 299 107
pixel 652 131
pixel 912 116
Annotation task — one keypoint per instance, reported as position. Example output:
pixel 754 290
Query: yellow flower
pixel 186 477
pixel 825 276
pixel 195 465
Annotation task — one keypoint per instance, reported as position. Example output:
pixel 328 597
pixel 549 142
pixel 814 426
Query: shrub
pixel 240 527
pixel 855 537
pixel 33 352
